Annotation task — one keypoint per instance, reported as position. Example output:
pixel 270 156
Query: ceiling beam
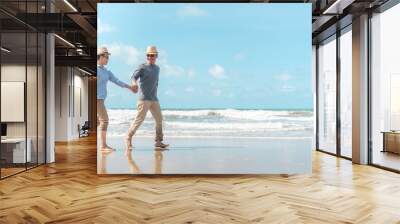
pixel 84 24
pixel 78 61
pixel 337 6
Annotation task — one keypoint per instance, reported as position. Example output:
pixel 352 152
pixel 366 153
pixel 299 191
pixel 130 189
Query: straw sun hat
pixel 103 51
pixel 151 50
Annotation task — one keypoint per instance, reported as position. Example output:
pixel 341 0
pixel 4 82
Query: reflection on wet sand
pixel 158 158
pixel 209 156
pixel 132 164
pixel 103 163
pixel 135 169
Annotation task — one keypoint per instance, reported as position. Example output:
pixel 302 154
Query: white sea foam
pixel 226 122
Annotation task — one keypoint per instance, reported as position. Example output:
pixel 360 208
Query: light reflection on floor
pixel 209 156
pixel 386 159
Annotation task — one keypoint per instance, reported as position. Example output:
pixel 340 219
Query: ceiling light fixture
pixel 70 5
pixel 64 40
pixel 86 72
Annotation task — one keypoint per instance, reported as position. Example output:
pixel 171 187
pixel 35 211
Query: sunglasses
pixel 151 55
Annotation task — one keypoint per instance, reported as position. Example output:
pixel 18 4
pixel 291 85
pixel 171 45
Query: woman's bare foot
pixel 107 149
pixel 127 152
pixel 128 144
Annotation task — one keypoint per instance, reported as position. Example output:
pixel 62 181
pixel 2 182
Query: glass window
pixel 346 93
pixel 31 97
pixel 22 91
pixel 385 87
pixel 41 98
pixel 327 96
pixel 14 153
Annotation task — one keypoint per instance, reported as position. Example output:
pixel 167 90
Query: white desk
pixel 18 150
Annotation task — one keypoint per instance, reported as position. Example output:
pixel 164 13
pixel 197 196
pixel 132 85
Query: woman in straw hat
pixel 103 76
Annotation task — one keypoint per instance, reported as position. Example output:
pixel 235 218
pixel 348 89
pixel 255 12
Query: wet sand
pixel 209 155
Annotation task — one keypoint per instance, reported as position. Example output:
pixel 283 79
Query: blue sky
pixel 213 55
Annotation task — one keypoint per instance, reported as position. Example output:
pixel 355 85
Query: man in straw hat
pixel 147 76
pixel 103 76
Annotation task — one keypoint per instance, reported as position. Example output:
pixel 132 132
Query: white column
pixel 313 84
pixel 360 90
pixel 50 92
pixel 50 100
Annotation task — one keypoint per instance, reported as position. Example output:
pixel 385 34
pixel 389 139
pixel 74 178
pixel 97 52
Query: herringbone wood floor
pixel 69 191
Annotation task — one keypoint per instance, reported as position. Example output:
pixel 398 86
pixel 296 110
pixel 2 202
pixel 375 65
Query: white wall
pixel 33 126
pixel 17 73
pixel 14 73
pixel 79 110
pixel 70 84
pixel 61 103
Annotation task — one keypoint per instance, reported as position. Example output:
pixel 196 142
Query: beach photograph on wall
pixel 204 88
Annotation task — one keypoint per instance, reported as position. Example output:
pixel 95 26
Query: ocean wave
pixel 235 126
pixel 150 135
pixel 227 122
pixel 215 115
pixel 214 133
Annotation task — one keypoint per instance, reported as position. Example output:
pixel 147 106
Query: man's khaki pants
pixel 142 107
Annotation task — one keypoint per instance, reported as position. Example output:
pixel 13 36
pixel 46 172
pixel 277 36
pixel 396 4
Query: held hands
pixel 134 88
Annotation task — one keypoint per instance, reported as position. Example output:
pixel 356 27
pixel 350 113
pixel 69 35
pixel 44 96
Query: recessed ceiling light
pixel 5 50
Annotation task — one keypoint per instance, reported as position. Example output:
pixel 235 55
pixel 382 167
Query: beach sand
pixel 209 155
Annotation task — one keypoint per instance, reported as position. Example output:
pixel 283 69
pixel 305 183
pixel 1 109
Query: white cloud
pixel 104 27
pixel 189 89
pixel 285 85
pixel 217 92
pixel 191 73
pixel 170 93
pixel 191 10
pixel 134 56
pixel 238 56
pixel 170 69
pixel 288 88
pixel 217 71
pixel 283 77
pixel 128 53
